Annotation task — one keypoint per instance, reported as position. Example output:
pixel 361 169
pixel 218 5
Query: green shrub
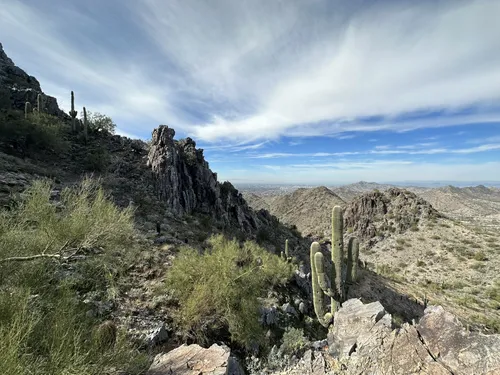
pixel 97 159
pixel 98 122
pixel 294 341
pixel 44 327
pixel 220 288
pixel 40 132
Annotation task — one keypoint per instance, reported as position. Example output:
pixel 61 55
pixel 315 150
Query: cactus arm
pixel 286 249
pixel 323 281
pixel 338 250
pixel 352 260
pixel 324 318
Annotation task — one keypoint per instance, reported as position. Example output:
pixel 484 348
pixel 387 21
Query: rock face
pixel 364 343
pixel 195 360
pixel 185 182
pixel 17 88
pixel 378 212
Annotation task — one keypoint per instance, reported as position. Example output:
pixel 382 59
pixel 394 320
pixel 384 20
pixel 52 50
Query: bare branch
pixel 58 255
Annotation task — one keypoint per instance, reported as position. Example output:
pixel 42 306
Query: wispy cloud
pixel 383 150
pixel 258 70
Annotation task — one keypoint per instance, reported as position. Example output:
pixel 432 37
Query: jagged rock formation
pixel 185 182
pixel 195 360
pixel 17 87
pixel 363 341
pixel 378 213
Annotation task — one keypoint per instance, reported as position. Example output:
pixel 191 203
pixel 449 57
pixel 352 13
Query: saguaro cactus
pixel 73 113
pixel 27 109
pixel 286 255
pixel 39 103
pixel 85 124
pixel 324 317
pixel 341 279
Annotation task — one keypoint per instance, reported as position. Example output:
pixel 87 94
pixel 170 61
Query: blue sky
pixel 299 91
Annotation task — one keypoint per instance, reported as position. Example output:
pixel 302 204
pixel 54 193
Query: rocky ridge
pixel 381 213
pixel 17 87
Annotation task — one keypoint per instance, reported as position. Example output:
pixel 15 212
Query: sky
pixel 282 91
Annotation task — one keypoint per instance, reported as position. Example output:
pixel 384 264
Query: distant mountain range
pixel 471 203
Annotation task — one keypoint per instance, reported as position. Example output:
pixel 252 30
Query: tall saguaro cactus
pixel 85 124
pixel 27 109
pixel 73 113
pixel 39 103
pixel 341 279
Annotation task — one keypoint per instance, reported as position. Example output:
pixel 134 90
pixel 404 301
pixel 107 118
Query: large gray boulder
pixel 195 360
pixel 362 342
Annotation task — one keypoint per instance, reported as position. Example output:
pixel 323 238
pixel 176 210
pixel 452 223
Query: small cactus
pixel 27 109
pixel 286 255
pixel 341 279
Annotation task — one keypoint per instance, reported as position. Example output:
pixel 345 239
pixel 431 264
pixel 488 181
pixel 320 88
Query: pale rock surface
pixel 195 360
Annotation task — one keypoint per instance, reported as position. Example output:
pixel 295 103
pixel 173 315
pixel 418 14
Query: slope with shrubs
pixel 52 253
pixel 221 288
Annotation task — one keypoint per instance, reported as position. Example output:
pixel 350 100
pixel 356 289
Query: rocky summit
pixel 183 180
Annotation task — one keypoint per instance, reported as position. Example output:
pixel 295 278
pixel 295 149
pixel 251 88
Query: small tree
pixel 100 122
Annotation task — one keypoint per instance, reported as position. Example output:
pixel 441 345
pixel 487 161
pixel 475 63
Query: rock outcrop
pixel 185 182
pixel 17 87
pixel 195 360
pixel 363 342
pixel 394 210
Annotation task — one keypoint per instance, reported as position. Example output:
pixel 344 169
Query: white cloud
pixel 264 69
pixel 101 79
pixel 299 70
pixel 384 150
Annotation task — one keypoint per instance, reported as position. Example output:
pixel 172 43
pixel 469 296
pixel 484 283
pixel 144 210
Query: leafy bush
pixel 39 132
pixel 44 327
pixel 294 341
pixel 220 289
pixel 98 122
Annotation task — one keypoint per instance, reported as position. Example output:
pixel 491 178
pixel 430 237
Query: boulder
pixel 195 360
pixel 362 342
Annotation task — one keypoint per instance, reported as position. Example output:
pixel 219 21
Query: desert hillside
pixel 434 254
pixel 307 209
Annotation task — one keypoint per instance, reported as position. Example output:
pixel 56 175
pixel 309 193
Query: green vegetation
pixel 45 329
pixel 220 289
pixel 37 132
pixel 98 122
pixel 294 341
pixel 340 281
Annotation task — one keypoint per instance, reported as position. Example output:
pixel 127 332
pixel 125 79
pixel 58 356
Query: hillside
pixel 307 209
pixel 477 205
